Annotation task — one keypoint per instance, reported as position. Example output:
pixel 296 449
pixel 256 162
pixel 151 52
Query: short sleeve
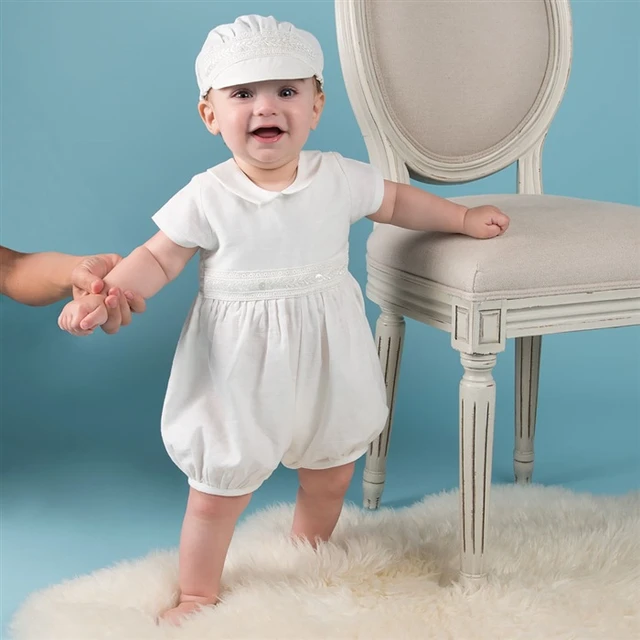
pixel 183 220
pixel 366 186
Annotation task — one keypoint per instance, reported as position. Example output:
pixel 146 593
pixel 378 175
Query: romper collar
pixel 232 178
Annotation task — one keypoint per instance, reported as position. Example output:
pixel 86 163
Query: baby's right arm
pixel 145 271
pixel 150 267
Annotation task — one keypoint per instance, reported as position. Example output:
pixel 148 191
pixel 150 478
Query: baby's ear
pixel 205 109
pixel 318 106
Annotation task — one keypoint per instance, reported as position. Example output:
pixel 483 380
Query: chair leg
pixel 390 340
pixel 477 413
pixel 527 376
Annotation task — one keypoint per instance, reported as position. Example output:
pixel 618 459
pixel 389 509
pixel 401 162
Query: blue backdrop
pixel 99 129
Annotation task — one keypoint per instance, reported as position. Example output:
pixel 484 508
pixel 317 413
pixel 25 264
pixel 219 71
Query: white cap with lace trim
pixel 256 48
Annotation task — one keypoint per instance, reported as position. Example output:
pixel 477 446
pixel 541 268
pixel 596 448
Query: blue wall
pixel 99 128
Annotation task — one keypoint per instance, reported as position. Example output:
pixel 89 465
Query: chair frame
pixel 479 324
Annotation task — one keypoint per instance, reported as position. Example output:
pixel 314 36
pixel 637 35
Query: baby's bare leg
pixel 319 501
pixel 206 534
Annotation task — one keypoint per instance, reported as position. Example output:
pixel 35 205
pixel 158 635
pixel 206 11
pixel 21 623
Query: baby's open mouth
pixel 267 133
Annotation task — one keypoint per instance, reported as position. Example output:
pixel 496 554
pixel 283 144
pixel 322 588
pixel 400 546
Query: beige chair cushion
pixel 554 245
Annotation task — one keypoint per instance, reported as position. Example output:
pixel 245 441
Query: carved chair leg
pixel 390 340
pixel 477 413
pixel 527 376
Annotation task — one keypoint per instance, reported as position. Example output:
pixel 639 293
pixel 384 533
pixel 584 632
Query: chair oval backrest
pixel 455 90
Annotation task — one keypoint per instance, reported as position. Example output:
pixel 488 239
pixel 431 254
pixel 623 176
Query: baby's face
pixel 265 124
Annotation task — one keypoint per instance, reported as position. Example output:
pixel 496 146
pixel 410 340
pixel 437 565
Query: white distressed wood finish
pixel 527 376
pixel 479 324
pixel 477 413
pixel 529 178
pixel 434 304
pixel 390 341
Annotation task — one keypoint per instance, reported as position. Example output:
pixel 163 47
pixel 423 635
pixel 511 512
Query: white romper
pixel 276 362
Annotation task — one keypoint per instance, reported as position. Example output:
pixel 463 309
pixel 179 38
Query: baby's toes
pixel 177 615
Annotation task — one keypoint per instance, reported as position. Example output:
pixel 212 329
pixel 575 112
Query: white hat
pixel 255 48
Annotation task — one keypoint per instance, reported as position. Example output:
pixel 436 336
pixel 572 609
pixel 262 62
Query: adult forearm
pixel 423 211
pixel 37 278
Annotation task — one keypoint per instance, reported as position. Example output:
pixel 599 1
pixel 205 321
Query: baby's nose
pixel 266 105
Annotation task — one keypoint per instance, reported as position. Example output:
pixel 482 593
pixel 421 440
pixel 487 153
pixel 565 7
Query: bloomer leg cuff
pixel 214 491
pixel 330 464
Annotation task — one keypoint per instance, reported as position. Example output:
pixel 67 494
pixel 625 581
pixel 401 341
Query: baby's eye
pixel 242 93
pixel 287 92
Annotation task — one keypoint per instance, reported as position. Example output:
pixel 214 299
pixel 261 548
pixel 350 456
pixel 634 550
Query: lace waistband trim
pixel 275 283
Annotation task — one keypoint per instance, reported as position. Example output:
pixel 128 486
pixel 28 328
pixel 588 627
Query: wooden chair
pixel 450 92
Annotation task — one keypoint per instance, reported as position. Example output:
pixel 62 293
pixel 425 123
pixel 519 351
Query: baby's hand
pixel 80 317
pixel 485 221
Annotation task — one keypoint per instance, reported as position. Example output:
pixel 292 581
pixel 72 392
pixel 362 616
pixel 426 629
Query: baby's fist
pixel 80 317
pixel 485 221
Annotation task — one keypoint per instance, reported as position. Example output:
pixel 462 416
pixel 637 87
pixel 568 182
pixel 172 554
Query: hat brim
pixel 268 68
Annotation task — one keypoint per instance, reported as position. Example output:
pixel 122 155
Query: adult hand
pixel 87 278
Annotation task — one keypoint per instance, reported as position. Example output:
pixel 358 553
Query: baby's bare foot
pixel 177 614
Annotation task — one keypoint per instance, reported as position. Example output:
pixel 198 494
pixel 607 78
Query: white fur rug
pixel 563 566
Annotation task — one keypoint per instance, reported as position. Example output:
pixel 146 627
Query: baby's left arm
pixel 407 206
pixel 90 310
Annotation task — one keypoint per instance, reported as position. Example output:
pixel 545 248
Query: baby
pixel 276 362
